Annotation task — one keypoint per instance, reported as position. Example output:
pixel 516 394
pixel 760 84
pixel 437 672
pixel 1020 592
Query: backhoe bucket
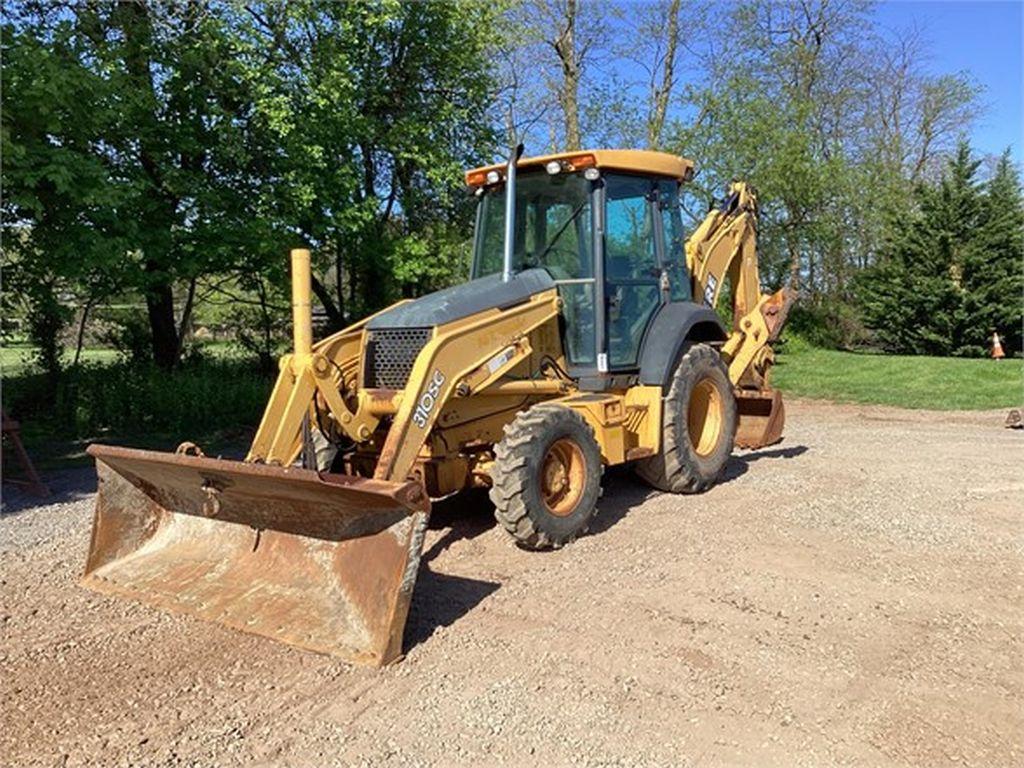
pixel 325 562
pixel 762 417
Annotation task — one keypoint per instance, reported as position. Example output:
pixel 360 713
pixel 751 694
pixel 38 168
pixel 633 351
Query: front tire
pixel 698 425
pixel 546 476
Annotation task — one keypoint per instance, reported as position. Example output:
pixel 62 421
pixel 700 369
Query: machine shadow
pixel 739 464
pixel 466 515
pixel 441 599
pixel 623 490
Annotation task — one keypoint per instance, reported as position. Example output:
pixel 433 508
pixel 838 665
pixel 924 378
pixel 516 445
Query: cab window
pixel 675 241
pixel 554 232
pixel 631 266
pixel 553 226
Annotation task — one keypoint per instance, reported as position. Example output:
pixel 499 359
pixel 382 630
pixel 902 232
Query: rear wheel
pixel 546 476
pixel 698 425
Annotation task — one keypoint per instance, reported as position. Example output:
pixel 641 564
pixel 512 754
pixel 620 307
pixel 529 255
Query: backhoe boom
pixel 724 249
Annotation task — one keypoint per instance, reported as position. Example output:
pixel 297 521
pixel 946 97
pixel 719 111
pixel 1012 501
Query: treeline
pixel 174 151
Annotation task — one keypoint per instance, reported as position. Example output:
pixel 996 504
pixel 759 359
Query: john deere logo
pixel 428 400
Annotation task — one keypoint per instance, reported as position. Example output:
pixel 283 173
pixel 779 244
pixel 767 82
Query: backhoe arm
pixel 724 247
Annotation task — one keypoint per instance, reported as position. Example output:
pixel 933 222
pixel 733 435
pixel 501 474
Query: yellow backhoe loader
pixel 587 337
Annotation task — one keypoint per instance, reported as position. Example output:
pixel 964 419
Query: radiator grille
pixel 390 354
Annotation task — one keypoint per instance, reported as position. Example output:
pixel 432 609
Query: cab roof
pixel 640 161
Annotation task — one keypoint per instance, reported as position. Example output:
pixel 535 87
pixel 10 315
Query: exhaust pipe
pixel 510 213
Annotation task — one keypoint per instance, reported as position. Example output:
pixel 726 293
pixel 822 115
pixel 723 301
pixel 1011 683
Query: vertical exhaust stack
pixel 510 213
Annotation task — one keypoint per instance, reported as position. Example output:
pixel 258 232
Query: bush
pixel 827 324
pixel 200 397
pixel 128 333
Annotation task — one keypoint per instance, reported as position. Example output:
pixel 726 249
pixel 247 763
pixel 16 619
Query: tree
pixel 774 109
pixel 993 270
pixel 60 216
pixel 640 78
pixel 158 144
pixel 560 40
pixel 376 109
pixel 571 60
pixel 832 121
pixel 950 273
pixel 665 62
pixel 128 150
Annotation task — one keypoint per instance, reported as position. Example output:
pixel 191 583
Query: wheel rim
pixel 705 417
pixel 562 477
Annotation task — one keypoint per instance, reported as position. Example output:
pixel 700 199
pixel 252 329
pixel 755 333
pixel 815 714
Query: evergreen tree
pixel 994 274
pixel 916 297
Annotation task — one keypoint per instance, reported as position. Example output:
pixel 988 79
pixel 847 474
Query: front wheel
pixel 546 476
pixel 698 425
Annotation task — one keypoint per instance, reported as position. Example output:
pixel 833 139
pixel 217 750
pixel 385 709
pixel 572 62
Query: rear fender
pixel 674 325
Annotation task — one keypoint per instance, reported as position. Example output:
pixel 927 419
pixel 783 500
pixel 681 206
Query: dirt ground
pixel 852 596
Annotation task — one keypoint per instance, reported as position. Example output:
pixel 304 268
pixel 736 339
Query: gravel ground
pixel 850 597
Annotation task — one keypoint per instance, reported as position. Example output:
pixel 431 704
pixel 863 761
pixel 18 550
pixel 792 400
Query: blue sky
pixel 983 38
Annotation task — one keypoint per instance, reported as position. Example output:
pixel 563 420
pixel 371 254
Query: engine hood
pixel 459 301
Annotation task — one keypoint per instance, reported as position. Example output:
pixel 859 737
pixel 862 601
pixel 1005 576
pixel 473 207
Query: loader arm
pixel 495 340
pixel 724 247
pixel 322 371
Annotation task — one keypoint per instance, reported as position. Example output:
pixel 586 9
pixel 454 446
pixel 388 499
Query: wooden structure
pixel 30 479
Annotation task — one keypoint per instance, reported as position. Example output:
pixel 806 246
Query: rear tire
pixel 546 476
pixel 698 425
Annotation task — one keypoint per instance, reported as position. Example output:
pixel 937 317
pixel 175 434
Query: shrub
pixel 827 324
pixel 200 397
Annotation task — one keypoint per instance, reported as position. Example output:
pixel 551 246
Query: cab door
pixel 632 270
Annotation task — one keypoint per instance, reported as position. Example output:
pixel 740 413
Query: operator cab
pixel 606 226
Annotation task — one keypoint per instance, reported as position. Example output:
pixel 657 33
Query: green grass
pixel 16 357
pixel 937 383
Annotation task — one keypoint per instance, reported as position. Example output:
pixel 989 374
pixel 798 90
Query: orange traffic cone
pixel 997 348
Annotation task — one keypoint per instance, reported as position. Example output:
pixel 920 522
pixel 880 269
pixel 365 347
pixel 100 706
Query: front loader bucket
pixel 762 417
pixel 324 562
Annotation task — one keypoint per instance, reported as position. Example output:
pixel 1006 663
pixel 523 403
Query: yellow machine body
pixel 325 556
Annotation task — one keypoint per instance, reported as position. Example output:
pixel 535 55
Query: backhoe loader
pixel 586 337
